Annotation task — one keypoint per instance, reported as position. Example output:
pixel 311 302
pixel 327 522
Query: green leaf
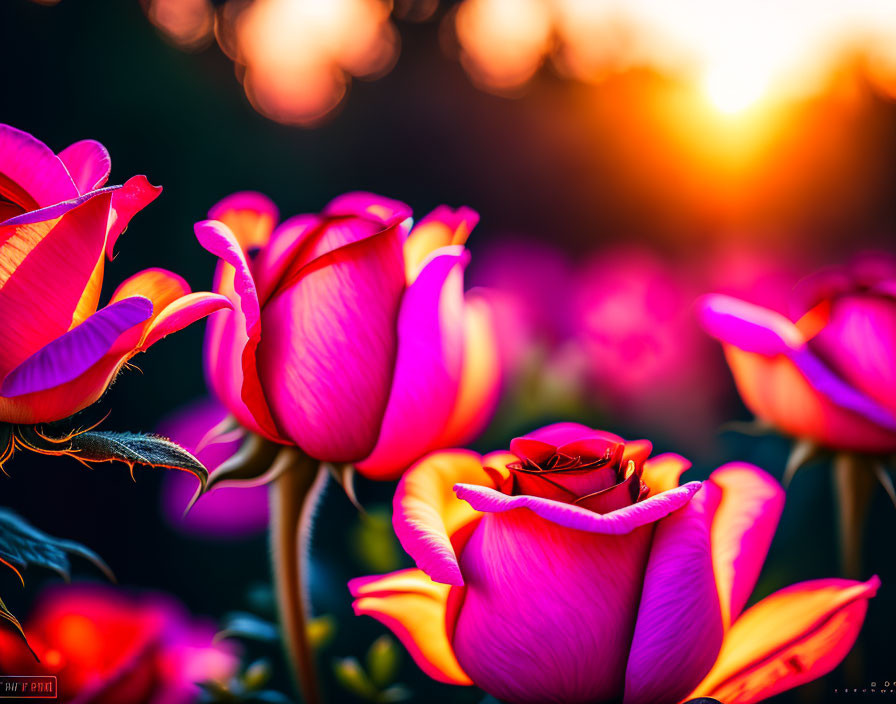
pixel 244 625
pixel 351 676
pixel 22 545
pixel 88 446
pixel 383 660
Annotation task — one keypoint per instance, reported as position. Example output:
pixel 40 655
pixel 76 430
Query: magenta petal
pixel 427 366
pixel 217 238
pixel 679 630
pixel 134 195
pixel 368 205
pixel 562 433
pixel 548 613
pixel 746 326
pixel 618 522
pixel 31 175
pixel 327 354
pixel 72 354
pixel 88 163
pixel 826 382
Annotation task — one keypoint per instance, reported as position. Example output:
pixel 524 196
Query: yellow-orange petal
pixel 90 299
pixel 415 609
pixel 745 504
pixel 662 472
pixel 161 286
pixel 787 639
pixel 181 313
pixel 480 382
pixel 427 513
pixel 442 227
pixel 251 216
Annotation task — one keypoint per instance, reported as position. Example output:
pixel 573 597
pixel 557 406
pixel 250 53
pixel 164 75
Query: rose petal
pixel 414 608
pixel 427 366
pixel 31 175
pixel 744 504
pixel 72 354
pixel 618 522
pixel 662 472
pixel 789 638
pixel 480 382
pixel 540 621
pixel 749 327
pixel 328 351
pixel 88 163
pixel 251 217
pixel 128 200
pixel 44 270
pixel 442 227
pixel 679 627
pixel 426 513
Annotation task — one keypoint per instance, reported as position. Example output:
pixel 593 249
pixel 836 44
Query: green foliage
pixel 373 683
pixel 22 545
pixel 374 543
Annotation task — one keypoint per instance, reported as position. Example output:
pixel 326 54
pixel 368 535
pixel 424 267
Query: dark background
pixel 578 165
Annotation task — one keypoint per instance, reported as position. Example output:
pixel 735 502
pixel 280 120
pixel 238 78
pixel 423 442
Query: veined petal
pixel 70 397
pixel 88 163
pixel 744 504
pixel 328 352
pixel 275 258
pixel 480 381
pixel 44 270
pixel 31 175
pixel 426 513
pixel 534 625
pixel 251 216
pixel 427 366
pixel 679 625
pixel 232 336
pixel 747 326
pixel 72 354
pixel 128 200
pixel 181 313
pixel 661 473
pixel 219 239
pixel 619 522
pixel 789 638
pixel 415 609
pixel 442 227
pixel 369 205
pixel 158 285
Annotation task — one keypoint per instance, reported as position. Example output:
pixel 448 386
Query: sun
pixel 733 88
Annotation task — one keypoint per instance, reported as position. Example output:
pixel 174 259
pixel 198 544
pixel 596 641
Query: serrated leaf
pixel 136 448
pixel 22 545
pixel 105 446
pixel 383 660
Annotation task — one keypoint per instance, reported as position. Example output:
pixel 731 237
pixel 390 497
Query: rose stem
pixel 293 496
